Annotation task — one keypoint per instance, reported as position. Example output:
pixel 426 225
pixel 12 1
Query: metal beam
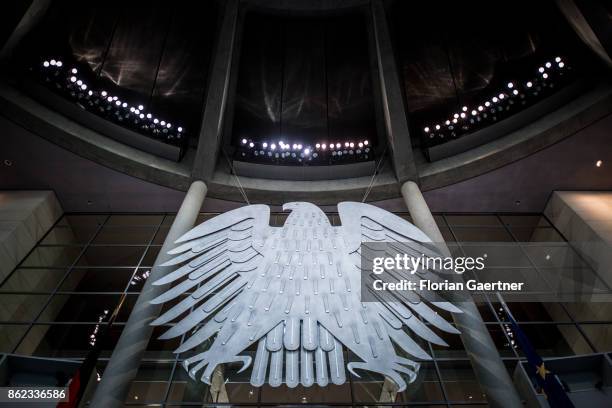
pixel 394 110
pixel 209 141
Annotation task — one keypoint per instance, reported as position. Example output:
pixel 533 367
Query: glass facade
pixel 56 302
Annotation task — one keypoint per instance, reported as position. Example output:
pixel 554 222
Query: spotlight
pixel 52 62
pixel 360 144
pixel 74 70
pixel 109 99
pixel 273 147
pixel 548 65
pixel 346 144
pixel 474 113
pixel 465 108
pixel 352 144
pixel 136 111
pixel 149 116
pixel 515 92
pixel 545 75
pixel 140 107
pixel 73 79
pixel 456 115
pixel 306 151
pixel 480 108
pixel 494 99
pixel 103 93
pixel 318 145
pixel 426 130
pixel 244 141
pixel 118 103
pixel 454 120
pixel 529 84
pixel 169 125
pixel 338 145
pixel 180 129
pixel 561 65
pixel 163 122
pixel 141 116
pixel 437 128
pixel 365 142
pixel 510 85
pixel 558 59
pixel 59 64
pixel 156 121
pixel 323 146
pixel 299 146
pixel 83 87
pixel 462 114
pixel 264 144
pixel 501 96
pixel 447 122
pixel 251 144
pixel 46 64
pixel 124 105
pixel 487 104
pixel 541 70
pixel 294 146
pixel 598 163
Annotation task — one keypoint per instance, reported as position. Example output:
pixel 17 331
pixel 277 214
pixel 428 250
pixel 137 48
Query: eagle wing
pixel 215 262
pixel 404 317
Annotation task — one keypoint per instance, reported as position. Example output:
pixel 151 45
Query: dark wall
pixel 304 80
pixel 155 52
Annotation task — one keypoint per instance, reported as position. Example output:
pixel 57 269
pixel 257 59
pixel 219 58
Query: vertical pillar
pixel 125 360
pixel 489 369
pixel 211 131
pixel 394 111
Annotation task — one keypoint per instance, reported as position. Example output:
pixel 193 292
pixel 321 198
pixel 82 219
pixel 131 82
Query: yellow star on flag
pixel 542 371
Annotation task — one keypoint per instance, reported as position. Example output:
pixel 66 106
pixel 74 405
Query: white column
pixel 489 369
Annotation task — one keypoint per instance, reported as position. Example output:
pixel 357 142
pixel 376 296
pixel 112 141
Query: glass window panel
pixel 10 334
pixel 138 279
pixel 447 234
pixel 134 220
pixel 161 349
pixel 468 220
pixel 82 220
pixel 481 234
pixel 459 381
pixel 21 307
pixel 185 389
pixel 124 235
pixel 124 256
pixel 33 280
pixel 600 336
pixel 509 255
pixel 426 387
pixel 524 220
pixel 590 311
pixel 536 235
pixel 79 308
pixel 554 256
pixel 151 382
pixel 67 235
pixel 552 340
pixel 150 256
pixel 533 312
pixel 161 235
pixel 575 284
pixel 52 256
pixel 302 395
pixel 67 340
pixel 97 280
pixel 532 279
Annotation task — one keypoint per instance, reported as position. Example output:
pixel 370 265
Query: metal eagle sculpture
pixel 295 291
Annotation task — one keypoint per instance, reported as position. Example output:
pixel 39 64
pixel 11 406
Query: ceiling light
pixel 598 163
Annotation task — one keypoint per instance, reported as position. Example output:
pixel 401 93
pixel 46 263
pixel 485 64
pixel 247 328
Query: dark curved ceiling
pixel 450 53
pixel 155 52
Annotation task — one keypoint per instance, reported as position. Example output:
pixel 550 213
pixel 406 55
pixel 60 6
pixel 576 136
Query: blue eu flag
pixel 548 382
